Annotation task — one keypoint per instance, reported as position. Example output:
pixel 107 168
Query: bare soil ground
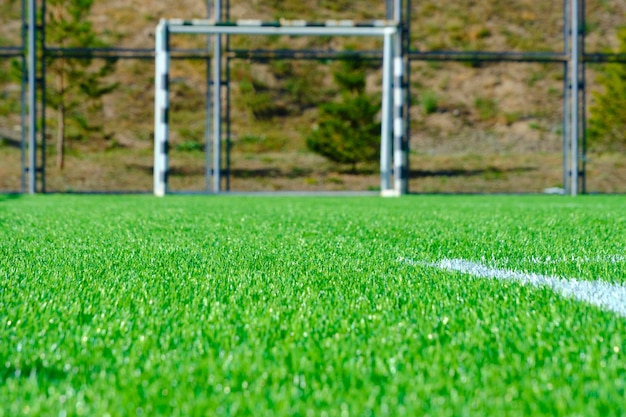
pixel 131 171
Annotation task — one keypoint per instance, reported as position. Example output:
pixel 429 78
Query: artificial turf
pixel 196 305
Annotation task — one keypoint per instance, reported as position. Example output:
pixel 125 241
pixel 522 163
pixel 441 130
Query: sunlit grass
pixel 131 305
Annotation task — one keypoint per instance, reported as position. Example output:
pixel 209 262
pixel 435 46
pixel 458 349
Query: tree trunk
pixel 60 136
pixel 60 120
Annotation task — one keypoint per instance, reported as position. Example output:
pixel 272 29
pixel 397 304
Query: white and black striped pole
pixel 161 108
pixel 399 157
pixel 386 111
pixel 32 96
pixel 382 28
pixel 217 104
pixel 575 57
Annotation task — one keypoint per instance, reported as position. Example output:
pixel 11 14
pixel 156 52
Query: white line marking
pixel 551 260
pixel 606 295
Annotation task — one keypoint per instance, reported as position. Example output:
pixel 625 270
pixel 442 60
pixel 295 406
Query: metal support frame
pixel 33 155
pixel 566 96
pixel 391 62
pixel 23 89
pixel 32 96
pixel 574 147
pixel 386 116
pixel 574 120
pixel 208 103
pixel 581 111
pixel 575 55
pixel 217 104
pixel 400 109
pixel 33 52
pixel 161 109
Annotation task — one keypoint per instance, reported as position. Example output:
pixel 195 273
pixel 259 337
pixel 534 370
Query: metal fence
pixel 33 52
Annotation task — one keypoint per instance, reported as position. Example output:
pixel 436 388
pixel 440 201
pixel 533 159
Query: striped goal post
pixel 393 158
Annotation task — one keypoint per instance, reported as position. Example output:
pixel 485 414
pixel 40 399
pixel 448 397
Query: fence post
pixel 574 109
pixel 32 96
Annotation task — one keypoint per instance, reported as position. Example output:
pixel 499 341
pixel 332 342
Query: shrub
pixel 487 108
pixel 607 124
pixel 429 102
pixel 347 131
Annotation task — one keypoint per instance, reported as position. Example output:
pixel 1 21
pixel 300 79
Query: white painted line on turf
pixel 551 260
pixel 606 295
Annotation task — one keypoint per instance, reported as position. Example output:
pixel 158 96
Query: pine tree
pixel 78 84
pixel 347 131
pixel 607 122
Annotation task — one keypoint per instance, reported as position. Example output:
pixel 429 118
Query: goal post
pixel 392 155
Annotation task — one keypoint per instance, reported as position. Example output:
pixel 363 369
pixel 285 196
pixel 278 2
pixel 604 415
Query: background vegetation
pixel 76 86
pixel 347 131
pixel 607 124
pixel 488 127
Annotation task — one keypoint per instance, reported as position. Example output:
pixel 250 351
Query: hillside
pixel 474 127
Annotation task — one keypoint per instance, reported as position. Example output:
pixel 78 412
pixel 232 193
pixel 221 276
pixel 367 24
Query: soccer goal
pixel 393 159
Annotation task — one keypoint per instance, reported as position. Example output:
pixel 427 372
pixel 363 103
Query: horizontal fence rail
pixel 11 51
pixel 451 55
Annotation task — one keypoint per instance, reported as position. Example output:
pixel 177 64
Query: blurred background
pixel 478 123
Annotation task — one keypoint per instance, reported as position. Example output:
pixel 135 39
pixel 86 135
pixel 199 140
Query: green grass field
pixel 308 306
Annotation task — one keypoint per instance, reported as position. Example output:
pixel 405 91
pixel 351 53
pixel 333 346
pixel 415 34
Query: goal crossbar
pixel 392 123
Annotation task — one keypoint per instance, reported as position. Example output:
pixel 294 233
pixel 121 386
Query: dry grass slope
pixel 475 127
